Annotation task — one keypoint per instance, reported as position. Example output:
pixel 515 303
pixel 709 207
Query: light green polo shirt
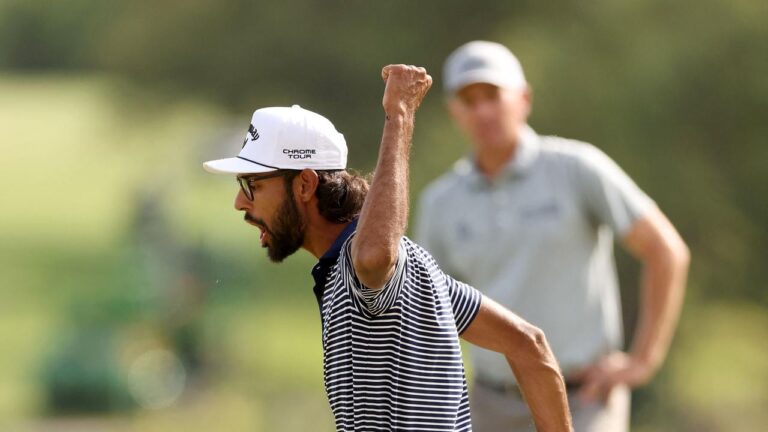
pixel 539 240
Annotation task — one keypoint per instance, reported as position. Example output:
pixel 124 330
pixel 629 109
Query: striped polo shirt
pixel 391 357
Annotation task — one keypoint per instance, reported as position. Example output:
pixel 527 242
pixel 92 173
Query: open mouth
pixel 263 235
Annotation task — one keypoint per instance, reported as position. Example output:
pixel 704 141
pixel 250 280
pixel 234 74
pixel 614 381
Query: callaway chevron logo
pixel 253 133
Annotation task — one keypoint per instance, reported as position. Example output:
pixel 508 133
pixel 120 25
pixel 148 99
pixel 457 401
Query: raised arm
pixel 384 215
pixel 528 354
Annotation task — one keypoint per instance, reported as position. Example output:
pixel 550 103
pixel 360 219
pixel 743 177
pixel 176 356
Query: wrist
pixel 399 114
pixel 645 362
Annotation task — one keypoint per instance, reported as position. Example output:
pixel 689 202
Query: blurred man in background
pixel 530 221
pixel 390 318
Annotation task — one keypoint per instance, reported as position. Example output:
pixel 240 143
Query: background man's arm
pixel 665 258
pixel 528 354
pixel 384 215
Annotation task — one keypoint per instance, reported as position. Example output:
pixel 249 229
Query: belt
pixel 513 388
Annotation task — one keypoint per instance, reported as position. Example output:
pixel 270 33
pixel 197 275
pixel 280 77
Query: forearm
pixel 384 214
pixel 528 354
pixel 539 378
pixel 662 289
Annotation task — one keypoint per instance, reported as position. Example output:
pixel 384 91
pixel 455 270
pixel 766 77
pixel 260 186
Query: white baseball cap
pixel 482 62
pixel 286 138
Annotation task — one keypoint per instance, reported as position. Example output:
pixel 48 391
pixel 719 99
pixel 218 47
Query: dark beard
pixel 287 234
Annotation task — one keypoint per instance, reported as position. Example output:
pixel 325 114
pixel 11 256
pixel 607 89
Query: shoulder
pixel 445 187
pixel 408 250
pixel 412 249
pixel 416 254
pixel 422 267
pixel 566 149
pixel 572 153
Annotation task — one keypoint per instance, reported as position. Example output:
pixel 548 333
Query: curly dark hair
pixel 340 193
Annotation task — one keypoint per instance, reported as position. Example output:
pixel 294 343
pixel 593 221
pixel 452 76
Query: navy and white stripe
pixel 392 359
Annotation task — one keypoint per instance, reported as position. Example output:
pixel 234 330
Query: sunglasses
pixel 246 182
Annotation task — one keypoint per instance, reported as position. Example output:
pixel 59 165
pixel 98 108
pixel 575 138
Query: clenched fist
pixel 405 88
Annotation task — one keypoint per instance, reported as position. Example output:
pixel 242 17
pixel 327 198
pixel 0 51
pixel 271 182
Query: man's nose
pixel 483 110
pixel 241 201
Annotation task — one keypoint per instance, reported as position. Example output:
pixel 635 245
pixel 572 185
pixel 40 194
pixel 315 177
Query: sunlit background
pixel 135 299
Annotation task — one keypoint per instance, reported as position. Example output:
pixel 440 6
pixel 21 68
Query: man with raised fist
pixel 391 319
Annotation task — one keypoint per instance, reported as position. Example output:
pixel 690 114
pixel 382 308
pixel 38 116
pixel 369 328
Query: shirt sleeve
pixel 610 195
pixel 465 301
pixel 376 301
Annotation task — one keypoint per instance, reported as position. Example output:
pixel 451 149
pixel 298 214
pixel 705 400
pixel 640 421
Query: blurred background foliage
pixel 135 299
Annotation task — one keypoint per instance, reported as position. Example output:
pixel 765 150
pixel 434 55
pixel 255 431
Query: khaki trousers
pixel 499 411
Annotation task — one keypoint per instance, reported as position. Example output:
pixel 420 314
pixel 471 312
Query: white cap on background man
pixel 482 62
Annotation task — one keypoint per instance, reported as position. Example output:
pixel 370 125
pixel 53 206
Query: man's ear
pixel 528 98
pixel 305 185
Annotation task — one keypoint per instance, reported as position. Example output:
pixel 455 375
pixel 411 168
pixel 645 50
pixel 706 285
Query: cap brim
pixel 235 166
pixel 483 76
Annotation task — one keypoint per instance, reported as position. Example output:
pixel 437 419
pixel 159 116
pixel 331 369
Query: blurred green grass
pixel 77 151
pixel 75 155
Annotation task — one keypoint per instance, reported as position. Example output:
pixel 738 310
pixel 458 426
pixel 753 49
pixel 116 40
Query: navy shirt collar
pixel 321 269
pixel 335 249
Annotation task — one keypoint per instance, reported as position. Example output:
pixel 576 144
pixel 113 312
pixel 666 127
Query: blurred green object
pixel 83 374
